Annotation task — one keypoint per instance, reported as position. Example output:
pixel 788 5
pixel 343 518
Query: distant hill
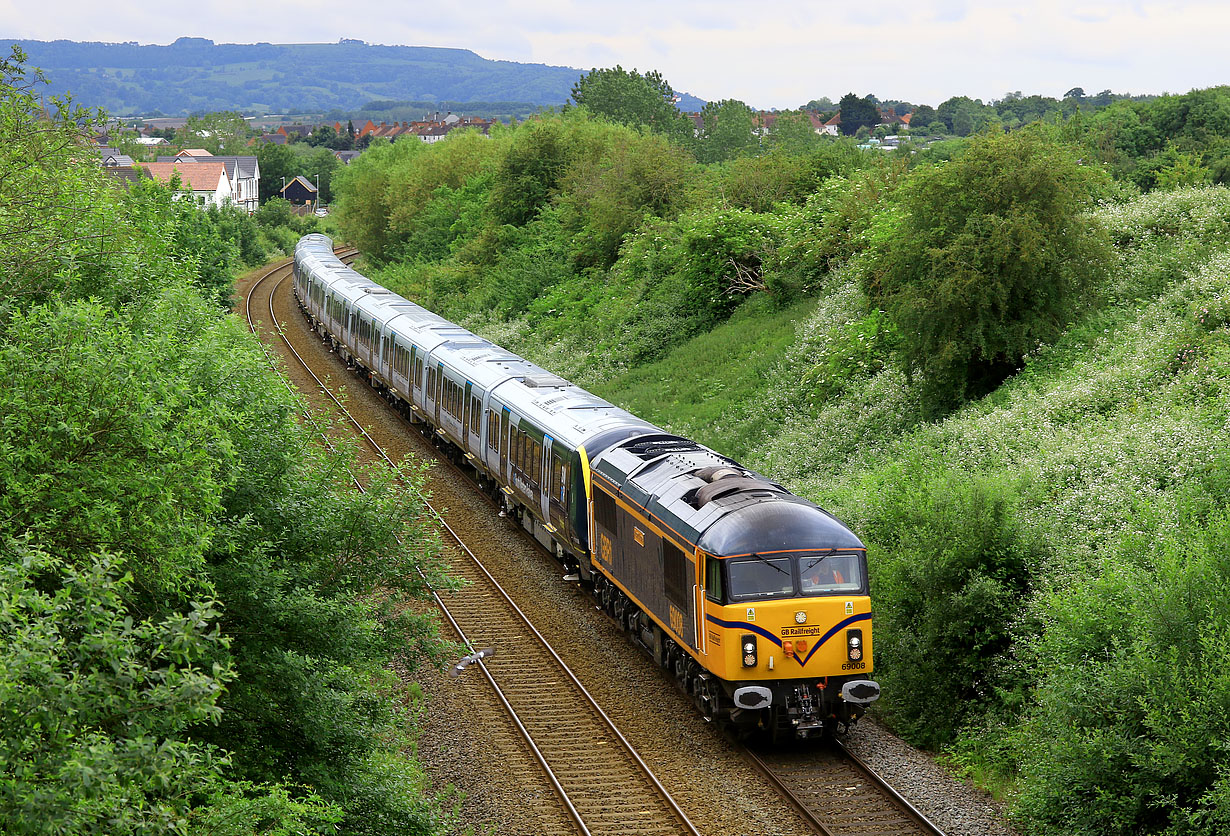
pixel 196 75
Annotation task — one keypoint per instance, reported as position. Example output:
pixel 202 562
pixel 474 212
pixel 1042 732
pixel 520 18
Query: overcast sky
pixel 768 53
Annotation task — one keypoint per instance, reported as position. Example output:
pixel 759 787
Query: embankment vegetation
pixel 1003 360
pixel 199 616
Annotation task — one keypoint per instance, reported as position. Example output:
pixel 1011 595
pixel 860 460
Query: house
pixel 299 191
pixel 301 131
pixel 112 158
pixel 889 118
pixel 433 133
pixel 207 181
pixel 243 172
pixel 127 175
pixel 833 126
pixel 152 140
pixel 345 157
pixel 270 139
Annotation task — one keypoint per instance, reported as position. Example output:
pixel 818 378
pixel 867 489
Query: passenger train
pixel 755 599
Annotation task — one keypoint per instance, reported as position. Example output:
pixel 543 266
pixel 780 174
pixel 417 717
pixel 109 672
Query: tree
pixel 962 115
pixel 822 104
pixel 277 162
pixel 982 258
pixel 793 132
pixel 629 98
pixel 1077 93
pixel 728 131
pixel 218 133
pixel 858 113
pixel 923 116
pixel 45 247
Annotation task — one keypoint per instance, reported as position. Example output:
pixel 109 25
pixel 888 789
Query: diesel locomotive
pixel 755 599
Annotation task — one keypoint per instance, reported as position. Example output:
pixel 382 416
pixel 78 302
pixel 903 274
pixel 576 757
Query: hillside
pixel 1007 370
pixel 196 75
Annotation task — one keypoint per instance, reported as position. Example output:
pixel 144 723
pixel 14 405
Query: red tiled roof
pixel 199 176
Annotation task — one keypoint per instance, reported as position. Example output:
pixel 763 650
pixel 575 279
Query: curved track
pixel 601 781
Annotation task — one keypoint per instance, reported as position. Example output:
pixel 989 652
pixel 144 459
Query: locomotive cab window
pixel 713 579
pixel 760 577
pixel 830 574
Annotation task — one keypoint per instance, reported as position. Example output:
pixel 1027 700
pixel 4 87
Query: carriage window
pixel 557 478
pixel 537 464
pixel 476 411
pixel 493 431
pixel 761 577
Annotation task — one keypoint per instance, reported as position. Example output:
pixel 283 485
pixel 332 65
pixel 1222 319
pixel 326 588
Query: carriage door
pixel 557 490
pixel 465 418
pixel 412 372
pixel 544 476
pixel 504 422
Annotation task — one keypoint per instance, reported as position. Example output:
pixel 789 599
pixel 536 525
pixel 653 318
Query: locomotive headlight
pixel 749 651
pixel 854 645
pixel 800 617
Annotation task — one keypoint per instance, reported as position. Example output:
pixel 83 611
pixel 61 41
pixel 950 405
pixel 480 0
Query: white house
pixel 207 181
pixel 244 174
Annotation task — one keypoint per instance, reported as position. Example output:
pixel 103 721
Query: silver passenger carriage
pixel 524 430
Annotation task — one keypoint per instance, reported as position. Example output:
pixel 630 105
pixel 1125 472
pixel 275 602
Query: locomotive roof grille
pixel 653 448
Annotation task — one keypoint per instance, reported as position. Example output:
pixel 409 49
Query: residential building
pixel 243 172
pixel 112 158
pixel 207 181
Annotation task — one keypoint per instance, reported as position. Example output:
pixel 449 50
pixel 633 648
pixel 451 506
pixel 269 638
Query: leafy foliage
pixel 727 132
pixel 1133 713
pixel 629 98
pixel 952 573
pixel 857 113
pixel 171 531
pixel 95 704
pixel 983 259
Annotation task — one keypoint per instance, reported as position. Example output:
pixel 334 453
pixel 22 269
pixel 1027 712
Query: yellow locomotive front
pixel 790 634
pixel 756 599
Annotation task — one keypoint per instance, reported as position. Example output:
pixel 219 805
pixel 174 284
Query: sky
pixel 767 53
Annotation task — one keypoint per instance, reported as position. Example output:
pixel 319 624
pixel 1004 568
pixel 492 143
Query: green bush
pixel 1131 730
pixel 983 258
pixel 950 576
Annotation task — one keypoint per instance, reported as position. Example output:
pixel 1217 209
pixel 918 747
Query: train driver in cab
pixel 830 573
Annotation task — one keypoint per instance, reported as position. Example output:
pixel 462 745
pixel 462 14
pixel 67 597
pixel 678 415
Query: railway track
pixel 838 793
pixel 600 780
pixel 827 788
